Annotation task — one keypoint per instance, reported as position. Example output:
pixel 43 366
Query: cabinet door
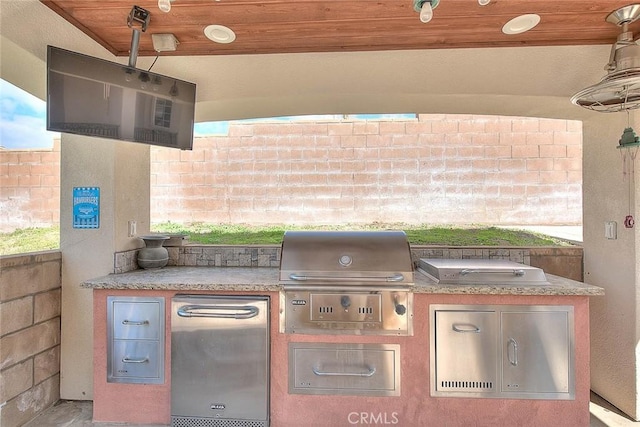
pixel 465 351
pixel 537 358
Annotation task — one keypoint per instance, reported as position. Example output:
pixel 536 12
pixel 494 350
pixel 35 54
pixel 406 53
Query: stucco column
pixel 612 264
pixel 121 172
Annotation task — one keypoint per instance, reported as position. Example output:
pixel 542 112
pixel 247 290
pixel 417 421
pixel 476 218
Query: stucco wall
pixel 613 265
pixel 121 171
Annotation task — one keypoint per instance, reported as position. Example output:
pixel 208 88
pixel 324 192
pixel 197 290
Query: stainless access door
pixel 537 352
pixel 219 361
pixel 465 352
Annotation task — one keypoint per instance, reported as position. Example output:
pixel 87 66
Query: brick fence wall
pixel 29 188
pixel 438 169
pixel 432 169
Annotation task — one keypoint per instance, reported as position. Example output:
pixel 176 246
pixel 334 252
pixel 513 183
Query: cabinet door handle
pixel 128 360
pixel 512 351
pixel 369 373
pixel 135 322
pixel 465 328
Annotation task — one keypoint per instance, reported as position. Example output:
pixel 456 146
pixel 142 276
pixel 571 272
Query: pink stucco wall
pixel 414 407
pixel 132 403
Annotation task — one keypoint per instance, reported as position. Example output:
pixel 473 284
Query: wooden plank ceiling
pixel 294 26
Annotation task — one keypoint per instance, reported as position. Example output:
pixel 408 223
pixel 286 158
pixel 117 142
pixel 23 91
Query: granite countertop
pixel 557 286
pixel 191 279
pixel 266 280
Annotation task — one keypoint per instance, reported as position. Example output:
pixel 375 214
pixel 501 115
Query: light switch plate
pixel 610 230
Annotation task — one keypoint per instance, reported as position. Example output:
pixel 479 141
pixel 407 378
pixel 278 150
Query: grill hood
pixel 348 257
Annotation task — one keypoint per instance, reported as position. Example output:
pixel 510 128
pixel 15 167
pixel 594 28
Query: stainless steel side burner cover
pixel 481 271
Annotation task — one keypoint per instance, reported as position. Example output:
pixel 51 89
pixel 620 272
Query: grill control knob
pixel 345 301
pixel 401 309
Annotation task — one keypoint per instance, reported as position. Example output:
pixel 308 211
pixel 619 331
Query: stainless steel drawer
pixel 137 361
pixel 344 369
pixel 136 319
pixel 135 339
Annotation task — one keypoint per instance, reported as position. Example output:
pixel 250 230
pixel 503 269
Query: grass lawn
pixel 39 239
pixel 29 240
pixel 232 234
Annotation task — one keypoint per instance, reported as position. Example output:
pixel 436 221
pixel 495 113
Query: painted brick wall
pixel 436 169
pixel 432 169
pixel 29 188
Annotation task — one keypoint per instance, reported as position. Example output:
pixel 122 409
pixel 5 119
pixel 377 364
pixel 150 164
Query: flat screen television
pixel 93 97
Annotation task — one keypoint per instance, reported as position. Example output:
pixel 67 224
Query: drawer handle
pixel 465 328
pixel 369 373
pixel 218 311
pixel 135 322
pixel 512 355
pixel 128 360
pixel 517 272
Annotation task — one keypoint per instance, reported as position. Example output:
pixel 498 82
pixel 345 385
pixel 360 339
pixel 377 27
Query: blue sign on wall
pixel 86 207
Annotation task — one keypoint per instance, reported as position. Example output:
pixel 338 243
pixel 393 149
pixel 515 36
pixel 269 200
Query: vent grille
pixel 467 385
pixel 214 422
pixel 347 307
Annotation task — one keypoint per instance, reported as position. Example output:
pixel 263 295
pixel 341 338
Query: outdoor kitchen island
pixel 413 404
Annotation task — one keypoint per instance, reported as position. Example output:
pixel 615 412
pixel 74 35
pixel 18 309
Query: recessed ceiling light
pixel 219 34
pixel 521 24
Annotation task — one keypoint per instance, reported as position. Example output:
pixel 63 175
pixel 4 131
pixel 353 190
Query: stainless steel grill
pixel 346 283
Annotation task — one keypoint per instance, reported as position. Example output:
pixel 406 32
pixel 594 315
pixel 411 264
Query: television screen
pixel 93 97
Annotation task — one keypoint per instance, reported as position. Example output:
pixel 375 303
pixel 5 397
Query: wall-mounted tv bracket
pixel 138 17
